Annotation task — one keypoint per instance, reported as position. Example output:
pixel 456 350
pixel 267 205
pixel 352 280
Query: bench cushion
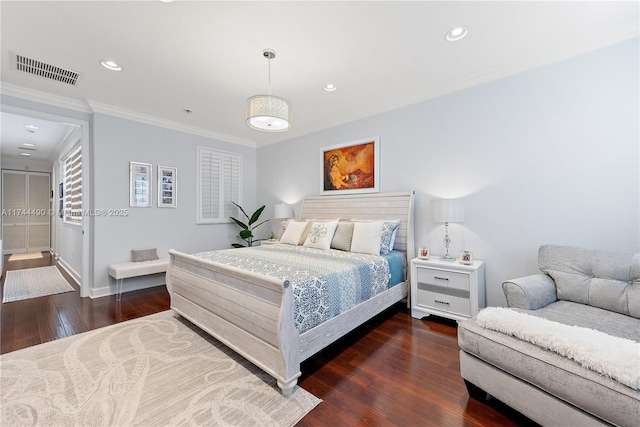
pixel 134 269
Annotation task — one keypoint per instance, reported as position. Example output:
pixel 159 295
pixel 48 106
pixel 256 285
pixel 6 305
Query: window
pixel 219 184
pixel 73 186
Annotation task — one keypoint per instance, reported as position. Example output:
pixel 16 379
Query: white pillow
pixel 293 232
pixel 366 237
pixel 321 235
pixel 384 249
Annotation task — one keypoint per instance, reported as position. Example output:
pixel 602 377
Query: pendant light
pixel 268 113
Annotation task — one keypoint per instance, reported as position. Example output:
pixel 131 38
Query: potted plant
pixel 246 233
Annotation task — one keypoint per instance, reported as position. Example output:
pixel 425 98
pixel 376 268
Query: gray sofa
pixel 593 289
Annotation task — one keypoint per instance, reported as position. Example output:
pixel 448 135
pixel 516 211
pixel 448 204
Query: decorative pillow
pixel 390 241
pixel 366 237
pixel 388 231
pixel 305 233
pixel 321 235
pixel 292 233
pixel 342 238
pixel 144 255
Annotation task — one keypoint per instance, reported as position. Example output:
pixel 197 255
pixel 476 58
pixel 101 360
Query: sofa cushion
pixel 601 279
pixel 587 316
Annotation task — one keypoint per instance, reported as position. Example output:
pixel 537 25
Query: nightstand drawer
pixel 446 303
pixel 445 279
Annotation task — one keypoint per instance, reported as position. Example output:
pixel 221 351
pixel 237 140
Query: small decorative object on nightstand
pixel 445 289
pixel 423 253
pixel 466 257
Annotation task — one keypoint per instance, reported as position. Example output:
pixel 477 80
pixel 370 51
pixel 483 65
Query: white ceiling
pixel 207 56
pixel 46 139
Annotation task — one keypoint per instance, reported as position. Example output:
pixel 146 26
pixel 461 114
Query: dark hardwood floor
pixel 392 371
pixel 38 320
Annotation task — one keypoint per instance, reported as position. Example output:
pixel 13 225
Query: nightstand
pixel 446 289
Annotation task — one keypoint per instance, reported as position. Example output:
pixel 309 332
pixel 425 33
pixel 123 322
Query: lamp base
pixel 447 257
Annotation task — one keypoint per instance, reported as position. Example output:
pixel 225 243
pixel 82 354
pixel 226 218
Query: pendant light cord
pixel 269 68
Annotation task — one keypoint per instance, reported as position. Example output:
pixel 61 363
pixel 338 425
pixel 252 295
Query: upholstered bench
pixel 126 270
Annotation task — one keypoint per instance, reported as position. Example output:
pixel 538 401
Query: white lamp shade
pixel 282 210
pixel 447 210
pixel 268 113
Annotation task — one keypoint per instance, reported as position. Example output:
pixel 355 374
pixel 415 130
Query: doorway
pixel 25 211
pixel 74 242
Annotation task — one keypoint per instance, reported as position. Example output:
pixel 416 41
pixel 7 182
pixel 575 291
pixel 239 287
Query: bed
pixel 253 313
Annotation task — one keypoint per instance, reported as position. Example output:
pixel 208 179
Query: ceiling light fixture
pixel 456 33
pixel 25 154
pixel 31 127
pixel 329 87
pixel 110 65
pixel 28 144
pixel 268 113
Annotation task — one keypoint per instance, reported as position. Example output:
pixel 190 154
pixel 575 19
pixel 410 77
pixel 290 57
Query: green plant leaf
pixel 238 245
pixel 240 223
pixel 241 210
pixel 256 226
pixel 256 215
pixel 246 234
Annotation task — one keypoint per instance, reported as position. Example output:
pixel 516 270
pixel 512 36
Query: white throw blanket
pixel 616 358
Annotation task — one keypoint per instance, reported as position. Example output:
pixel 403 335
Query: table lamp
pixel 447 210
pixel 283 211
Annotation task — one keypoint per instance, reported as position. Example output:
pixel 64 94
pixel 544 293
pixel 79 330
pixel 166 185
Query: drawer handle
pixel 441 302
pixel 441 278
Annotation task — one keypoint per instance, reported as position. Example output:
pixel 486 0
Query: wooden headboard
pixel 387 206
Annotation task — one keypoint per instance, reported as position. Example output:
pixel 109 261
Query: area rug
pixel 153 371
pixel 28 255
pixel 33 283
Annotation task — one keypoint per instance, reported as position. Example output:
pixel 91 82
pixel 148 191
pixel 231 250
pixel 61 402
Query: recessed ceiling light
pixel 329 87
pixel 25 154
pixel 28 144
pixel 110 65
pixel 166 1
pixel 31 127
pixel 456 34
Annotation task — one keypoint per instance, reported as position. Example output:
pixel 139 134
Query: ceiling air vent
pixel 42 69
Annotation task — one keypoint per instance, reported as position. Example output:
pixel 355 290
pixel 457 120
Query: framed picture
pixel 466 257
pixel 167 187
pixel 140 175
pixel 351 167
pixel 423 253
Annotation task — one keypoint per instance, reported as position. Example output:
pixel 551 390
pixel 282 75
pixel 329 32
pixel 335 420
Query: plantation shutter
pixel 219 184
pixel 73 187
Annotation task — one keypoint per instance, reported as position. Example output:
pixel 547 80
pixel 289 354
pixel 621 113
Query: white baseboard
pixel 66 267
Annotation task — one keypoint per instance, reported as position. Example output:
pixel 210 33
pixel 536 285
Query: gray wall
pixel 546 156
pixel 117 142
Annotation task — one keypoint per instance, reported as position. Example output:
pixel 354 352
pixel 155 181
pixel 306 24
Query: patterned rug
pixel 28 255
pixel 33 283
pixel 152 371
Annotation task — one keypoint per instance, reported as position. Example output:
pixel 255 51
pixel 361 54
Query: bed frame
pixel 253 314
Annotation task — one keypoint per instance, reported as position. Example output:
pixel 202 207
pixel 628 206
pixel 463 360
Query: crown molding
pixel 44 97
pixel 90 107
pixel 111 110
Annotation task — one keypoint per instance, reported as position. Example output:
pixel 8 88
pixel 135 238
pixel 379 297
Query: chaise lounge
pixel 567 351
